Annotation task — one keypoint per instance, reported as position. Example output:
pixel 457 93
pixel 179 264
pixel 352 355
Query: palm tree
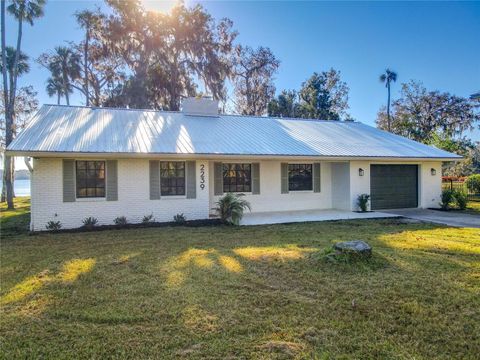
pixel 65 66
pixel 387 78
pixel 55 87
pixel 88 20
pixel 22 10
pixel 230 208
pixel 22 64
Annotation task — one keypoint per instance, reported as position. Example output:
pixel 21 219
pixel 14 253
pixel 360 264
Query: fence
pixel 460 185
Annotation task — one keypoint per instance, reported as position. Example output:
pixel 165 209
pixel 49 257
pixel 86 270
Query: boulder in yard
pixel 354 247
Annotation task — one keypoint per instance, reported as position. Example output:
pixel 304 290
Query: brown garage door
pixel 393 186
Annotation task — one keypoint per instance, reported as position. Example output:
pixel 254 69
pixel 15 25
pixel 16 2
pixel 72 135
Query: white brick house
pixel 107 163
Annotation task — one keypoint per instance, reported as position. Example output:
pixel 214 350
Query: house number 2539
pixel 202 176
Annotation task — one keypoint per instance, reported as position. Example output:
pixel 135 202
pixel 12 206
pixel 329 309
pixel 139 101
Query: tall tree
pixel 284 105
pixel 64 65
pixel 253 75
pixel 89 21
pixel 26 103
pixel 420 114
pixel 167 53
pixel 23 11
pixel 387 78
pixel 55 87
pixel 324 96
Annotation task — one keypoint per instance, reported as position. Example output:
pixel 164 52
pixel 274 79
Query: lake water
pixel 22 187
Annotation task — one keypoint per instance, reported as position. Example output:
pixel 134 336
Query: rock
pixel 357 247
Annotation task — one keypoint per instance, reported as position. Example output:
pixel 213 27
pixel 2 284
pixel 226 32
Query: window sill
pixel 172 197
pixel 92 199
pixel 300 191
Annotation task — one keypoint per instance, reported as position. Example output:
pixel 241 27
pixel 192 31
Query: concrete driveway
pixel 450 218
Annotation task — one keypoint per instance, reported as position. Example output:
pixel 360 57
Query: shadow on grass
pixel 259 291
pixel 15 222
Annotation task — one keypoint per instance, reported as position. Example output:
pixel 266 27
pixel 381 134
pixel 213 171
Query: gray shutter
pixel 112 180
pixel 68 180
pixel 256 178
pixel 218 178
pixel 154 179
pixel 191 179
pixel 284 175
pixel 316 177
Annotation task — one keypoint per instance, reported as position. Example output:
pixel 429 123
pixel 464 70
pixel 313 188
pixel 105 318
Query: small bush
pixel 230 208
pixel 362 202
pixel 53 225
pixel 120 221
pixel 148 219
pixel 90 222
pixel 473 183
pixel 180 219
pixel 461 199
pixel 447 199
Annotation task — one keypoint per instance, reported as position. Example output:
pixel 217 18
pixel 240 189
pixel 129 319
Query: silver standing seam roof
pixel 76 129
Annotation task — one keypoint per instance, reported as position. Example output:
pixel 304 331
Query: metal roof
pixel 75 129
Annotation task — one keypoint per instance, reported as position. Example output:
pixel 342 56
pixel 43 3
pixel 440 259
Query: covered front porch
pixel 281 217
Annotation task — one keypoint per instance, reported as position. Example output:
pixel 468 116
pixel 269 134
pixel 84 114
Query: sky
pixel 433 42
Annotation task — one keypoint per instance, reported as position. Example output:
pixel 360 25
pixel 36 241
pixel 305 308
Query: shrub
pixel 148 219
pixel 53 225
pixel 447 199
pixel 90 222
pixel 473 183
pixel 120 221
pixel 230 208
pixel 180 219
pixel 362 202
pixel 461 199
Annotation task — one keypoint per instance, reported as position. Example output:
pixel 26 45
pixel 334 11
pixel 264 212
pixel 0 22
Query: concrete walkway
pixel 450 218
pixel 281 217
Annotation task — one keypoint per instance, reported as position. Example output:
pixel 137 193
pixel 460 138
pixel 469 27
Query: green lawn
pixel 239 293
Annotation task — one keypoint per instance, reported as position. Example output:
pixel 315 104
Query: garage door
pixel 393 186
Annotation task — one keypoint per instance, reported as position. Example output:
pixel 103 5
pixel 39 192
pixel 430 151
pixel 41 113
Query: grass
pixel 251 292
pixel 13 222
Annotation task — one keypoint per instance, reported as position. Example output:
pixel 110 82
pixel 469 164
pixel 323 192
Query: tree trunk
pixel 13 89
pixel 58 97
pixel 4 186
pixel 388 108
pixel 4 58
pixel 9 107
pixel 67 98
pixel 5 91
pixel 85 54
pixel 8 182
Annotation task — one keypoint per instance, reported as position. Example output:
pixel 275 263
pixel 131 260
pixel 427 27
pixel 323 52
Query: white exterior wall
pixel 358 184
pixel 271 198
pixel 341 186
pixel 430 186
pixel 134 193
pixel 133 197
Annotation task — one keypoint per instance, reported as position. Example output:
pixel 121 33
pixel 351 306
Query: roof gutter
pixel 98 155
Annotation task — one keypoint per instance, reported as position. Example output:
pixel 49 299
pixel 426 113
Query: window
pixel 300 177
pixel 172 178
pixel 90 176
pixel 237 177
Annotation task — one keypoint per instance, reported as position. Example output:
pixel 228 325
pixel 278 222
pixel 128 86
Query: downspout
pixel 30 168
